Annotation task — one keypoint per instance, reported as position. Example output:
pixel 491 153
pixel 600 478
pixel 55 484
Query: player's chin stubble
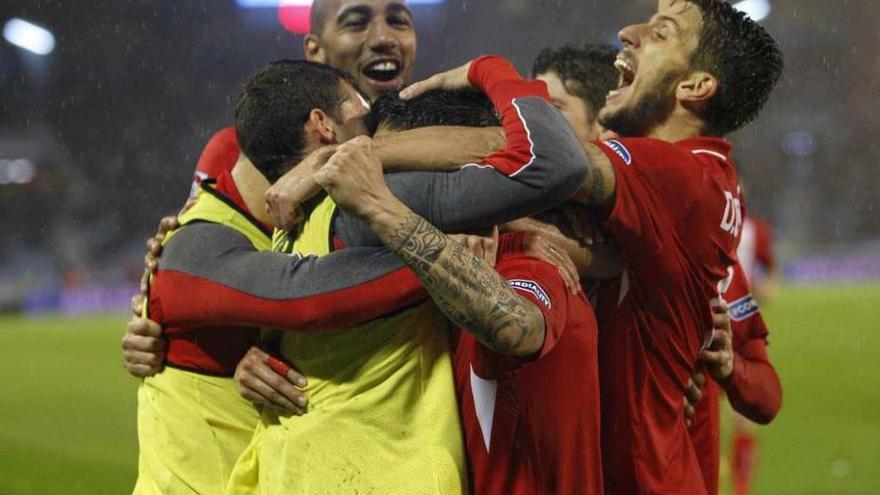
pixel 647 113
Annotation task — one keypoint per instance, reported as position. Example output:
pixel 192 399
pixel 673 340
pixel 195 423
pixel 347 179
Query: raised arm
pixel 210 275
pixel 541 165
pixel 428 148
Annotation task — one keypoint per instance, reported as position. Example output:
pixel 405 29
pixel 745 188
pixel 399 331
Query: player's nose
pixel 631 36
pixel 383 37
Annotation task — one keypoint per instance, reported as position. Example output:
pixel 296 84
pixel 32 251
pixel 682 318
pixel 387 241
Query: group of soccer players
pixel 479 297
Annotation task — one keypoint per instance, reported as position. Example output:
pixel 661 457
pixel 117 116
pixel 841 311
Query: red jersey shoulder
pixel 667 168
pixel 538 280
pixel 646 151
pixel 219 155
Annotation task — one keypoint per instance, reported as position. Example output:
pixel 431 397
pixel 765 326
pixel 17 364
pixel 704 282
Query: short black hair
pixel 744 58
pixel 274 105
pixel 437 107
pixel 585 69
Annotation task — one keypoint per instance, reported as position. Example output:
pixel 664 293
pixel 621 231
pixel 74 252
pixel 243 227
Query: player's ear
pixel 313 49
pixel 696 89
pixel 323 126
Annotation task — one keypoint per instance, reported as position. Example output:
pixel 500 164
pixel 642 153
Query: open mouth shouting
pixel 627 71
pixel 383 74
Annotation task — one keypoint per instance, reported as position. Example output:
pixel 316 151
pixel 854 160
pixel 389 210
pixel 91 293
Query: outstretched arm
pixel 423 149
pixel 428 148
pixel 211 275
pixel 540 167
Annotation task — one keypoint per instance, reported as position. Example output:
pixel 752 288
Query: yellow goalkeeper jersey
pixel 382 415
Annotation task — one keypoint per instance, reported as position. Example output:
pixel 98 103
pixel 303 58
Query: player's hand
pixel 353 178
pixel 154 251
pixel 719 357
pixel 693 395
pixel 451 80
pixel 539 247
pixel 268 381
pixel 285 198
pixel 485 247
pixel 143 347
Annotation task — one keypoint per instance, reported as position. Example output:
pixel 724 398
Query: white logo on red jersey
pixel 532 288
pixel 731 221
pixel 618 147
pixel 742 308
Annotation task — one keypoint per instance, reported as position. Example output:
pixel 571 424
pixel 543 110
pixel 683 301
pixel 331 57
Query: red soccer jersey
pixel 219 156
pixel 754 386
pixel 676 219
pixel 532 425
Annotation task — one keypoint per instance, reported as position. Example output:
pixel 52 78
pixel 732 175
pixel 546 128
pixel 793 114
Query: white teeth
pixel 622 65
pixel 384 66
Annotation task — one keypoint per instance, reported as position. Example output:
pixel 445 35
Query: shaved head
pixel 321 11
pixel 373 40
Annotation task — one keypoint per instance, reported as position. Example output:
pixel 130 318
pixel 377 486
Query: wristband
pixel 278 366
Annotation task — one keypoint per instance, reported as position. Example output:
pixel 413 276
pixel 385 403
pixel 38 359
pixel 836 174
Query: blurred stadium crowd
pixel 99 138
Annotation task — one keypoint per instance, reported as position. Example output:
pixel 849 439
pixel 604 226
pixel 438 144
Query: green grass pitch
pixel 67 409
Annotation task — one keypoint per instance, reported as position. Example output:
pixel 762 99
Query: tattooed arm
pixel 464 287
pixel 597 189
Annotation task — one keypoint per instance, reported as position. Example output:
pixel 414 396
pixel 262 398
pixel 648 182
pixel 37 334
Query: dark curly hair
pixel 437 107
pixel 274 105
pixel 743 57
pixel 585 69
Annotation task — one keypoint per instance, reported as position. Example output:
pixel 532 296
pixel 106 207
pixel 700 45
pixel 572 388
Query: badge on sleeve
pixel 618 147
pixel 742 308
pixel 533 289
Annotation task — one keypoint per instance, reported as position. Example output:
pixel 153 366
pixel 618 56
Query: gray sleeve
pixel 344 288
pixel 480 196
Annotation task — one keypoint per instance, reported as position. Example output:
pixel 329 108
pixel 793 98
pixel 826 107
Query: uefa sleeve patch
pixel 533 289
pixel 618 147
pixel 742 308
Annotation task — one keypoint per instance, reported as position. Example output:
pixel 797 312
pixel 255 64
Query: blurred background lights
pixel 799 143
pixel 257 4
pixel 756 9
pixel 29 36
pixel 17 171
pixel 294 14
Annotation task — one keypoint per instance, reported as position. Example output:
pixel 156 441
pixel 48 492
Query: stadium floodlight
pixel 263 4
pixel 756 9
pixel 17 171
pixel 29 36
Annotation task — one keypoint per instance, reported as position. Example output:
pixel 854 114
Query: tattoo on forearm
pixel 597 185
pixel 465 288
